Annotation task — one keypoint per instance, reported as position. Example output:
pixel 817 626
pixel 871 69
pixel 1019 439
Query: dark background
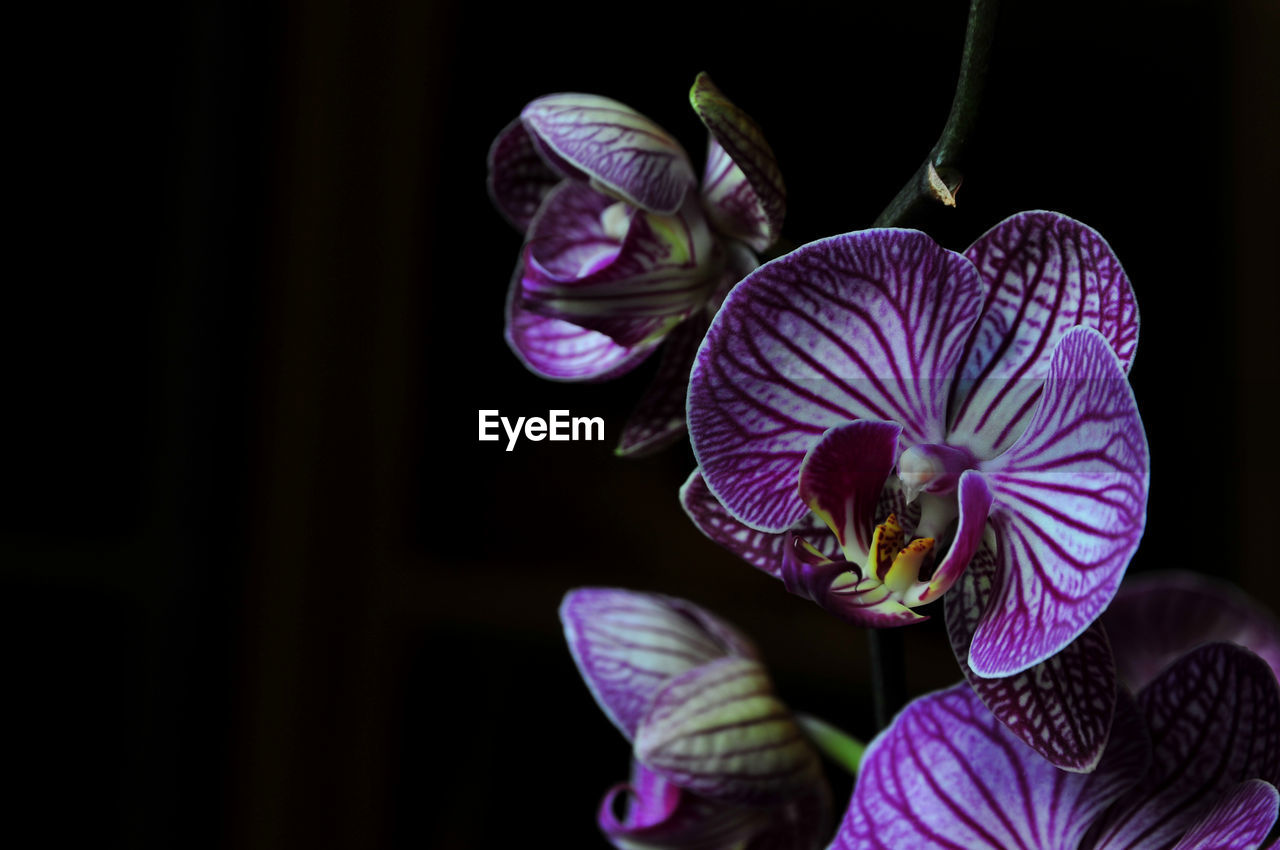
pixel 265 589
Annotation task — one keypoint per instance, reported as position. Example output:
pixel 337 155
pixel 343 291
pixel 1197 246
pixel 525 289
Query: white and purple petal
pixel 658 814
pixel 719 731
pixel 742 187
pixel 519 178
pixel 612 268
pixel 947 774
pixel 622 152
pixel 627 645
pixel 841 588
pixel 658 419
pixel 731 204
pixel 562 351
pixel 1214 718
pixel 1045 274
pixel 763 550
pixel 1239 820
pixel 842 476
pixel 1157 618
pixel 868 325
pixel 1062 707
pixel 975 497
pixel 1069 511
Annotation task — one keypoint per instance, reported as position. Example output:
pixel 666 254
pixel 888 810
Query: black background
pixel 264 586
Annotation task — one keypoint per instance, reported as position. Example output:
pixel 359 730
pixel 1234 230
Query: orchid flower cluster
pixel 881 424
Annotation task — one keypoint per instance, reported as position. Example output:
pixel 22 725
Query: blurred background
pixel 264 587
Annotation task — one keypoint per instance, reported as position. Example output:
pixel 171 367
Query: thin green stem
pixel 836 744
pixel 943 161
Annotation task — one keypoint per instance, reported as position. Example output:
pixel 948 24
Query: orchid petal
pixel 1240 820
pixel 1045 273
pixel 1158 617
pixel 761 549
pixel 840 588
pixel 719 731
pixel 518 176
pixel 842 476
pixel 731 205
pixel 577 231
pixel 660 815
pixel 1215 721
pixel 742 185
pixel 868 325
pixel 631 283
pixel 627 645
pixel 658 419
pixel 624 153
pixel 947 774
pixel 562 351
pixel 1070 506
pixel 1062 707
pixel 975 498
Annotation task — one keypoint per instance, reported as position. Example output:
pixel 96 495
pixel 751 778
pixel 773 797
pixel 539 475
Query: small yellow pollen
pixel 906 566
pixel 885 541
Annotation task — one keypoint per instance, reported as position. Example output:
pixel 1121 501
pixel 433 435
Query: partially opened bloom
pixel 1191 764
pixel 719 762
pixel 622 248
pixel 992 382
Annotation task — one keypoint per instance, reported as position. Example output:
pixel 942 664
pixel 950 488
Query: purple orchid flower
pixel 993 382
pixel 1061 707
pixel 719 762
pixel 1191 765
pixel 620 252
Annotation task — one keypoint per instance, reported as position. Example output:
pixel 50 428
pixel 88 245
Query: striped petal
pixel 974 497
pixel 1070 507
pixel 842 476
pixel 761 549
pixel 868 325
pixel 719 731
pixel 742 186
pixel 627 646
pixel 562 351
pixel 1045 274
pixel 612 268
pixel 1215 722
pixel 658 419
pixel 1239 820
pixel 658 814
pixel 841 588
pixel 624 154
pixel 947 774
pixel 1062 707
pixel 1158 617
pixel 519 178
